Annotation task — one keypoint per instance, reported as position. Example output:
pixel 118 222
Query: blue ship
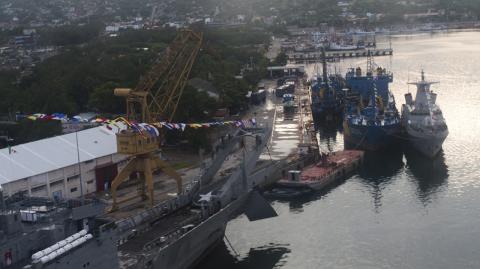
pixel 376 125
pixel 327 96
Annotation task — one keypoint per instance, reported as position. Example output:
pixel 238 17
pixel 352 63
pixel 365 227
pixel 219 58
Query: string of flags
pixel 143 127
pixel 152 129
pixel 181 126
pixel 55 116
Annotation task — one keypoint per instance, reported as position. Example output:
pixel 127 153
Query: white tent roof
pixel 50 154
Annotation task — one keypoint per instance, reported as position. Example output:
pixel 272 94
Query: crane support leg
pixel 171 172
pixel 125 173
pixel 145 165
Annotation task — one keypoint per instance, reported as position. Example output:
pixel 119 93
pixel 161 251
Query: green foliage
pixel 83 77
pixel 195 106
pixel 102 98
pixel 8 92
pixel 281 59
pixel 6 35
pixel 279 30
pixel 197 138
pixel 27 130
pixel 233 93
pixel 70 34
pixel 65 83
pixel 225 53
pixel 237 37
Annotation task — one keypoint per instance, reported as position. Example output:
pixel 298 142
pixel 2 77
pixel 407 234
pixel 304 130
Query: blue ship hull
pixel 371 138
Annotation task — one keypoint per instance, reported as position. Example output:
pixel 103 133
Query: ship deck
pixel 330 164
pixel 162 227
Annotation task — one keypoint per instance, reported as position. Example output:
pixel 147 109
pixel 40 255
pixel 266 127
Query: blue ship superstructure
pixel 361 84
pixel 375 125
pixel 327 96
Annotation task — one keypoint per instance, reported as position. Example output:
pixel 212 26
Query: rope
pixel 231 246
pixel 361 141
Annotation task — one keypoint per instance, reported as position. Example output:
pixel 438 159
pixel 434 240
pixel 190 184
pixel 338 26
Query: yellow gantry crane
pixel 154 99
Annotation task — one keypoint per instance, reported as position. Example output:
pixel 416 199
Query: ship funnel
pixel 358 72
pixel 433 97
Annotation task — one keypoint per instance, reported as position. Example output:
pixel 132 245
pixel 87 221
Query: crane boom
pixel 164 102
pixel 155 98
pixel 158 92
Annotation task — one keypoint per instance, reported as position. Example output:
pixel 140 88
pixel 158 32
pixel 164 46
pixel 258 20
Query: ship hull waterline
pixel 371 138
pixel 429 146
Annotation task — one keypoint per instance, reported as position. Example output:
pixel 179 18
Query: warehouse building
pixel 51 167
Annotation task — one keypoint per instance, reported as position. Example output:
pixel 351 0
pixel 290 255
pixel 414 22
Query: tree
pixel 28 130
pixel 281 59
pixel 103 99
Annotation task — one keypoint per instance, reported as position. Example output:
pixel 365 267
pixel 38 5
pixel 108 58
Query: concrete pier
pixel 314 56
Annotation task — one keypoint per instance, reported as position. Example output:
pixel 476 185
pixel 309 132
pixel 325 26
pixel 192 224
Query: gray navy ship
pixel 423 120
pixel 174 234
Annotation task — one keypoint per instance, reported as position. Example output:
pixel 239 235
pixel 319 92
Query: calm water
pixel 401 211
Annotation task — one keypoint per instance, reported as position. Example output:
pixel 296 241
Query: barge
pixel 332 167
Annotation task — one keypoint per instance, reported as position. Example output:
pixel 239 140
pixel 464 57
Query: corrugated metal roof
pixel 49 154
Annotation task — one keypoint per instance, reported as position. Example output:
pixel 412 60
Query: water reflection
pixel 328 136
pixel 382 166
pixel 430 174
pixel 379 169
pixel 265 257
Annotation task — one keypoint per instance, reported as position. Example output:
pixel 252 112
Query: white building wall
pixel 104 160
pixel 70 170
pixel 64 182
pixel 15 186
pixel 57 188
pixel 38 180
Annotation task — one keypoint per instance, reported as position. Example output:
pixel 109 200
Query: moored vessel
pixel 332 167
pixel 376 125
pixel 423 119
pixel 373 127
pixel 326 95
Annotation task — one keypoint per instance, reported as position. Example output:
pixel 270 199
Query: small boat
pixel 332 167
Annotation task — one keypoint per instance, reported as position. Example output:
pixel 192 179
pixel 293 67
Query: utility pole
pixel 79 168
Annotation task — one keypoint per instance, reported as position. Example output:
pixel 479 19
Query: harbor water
pixel 401 210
